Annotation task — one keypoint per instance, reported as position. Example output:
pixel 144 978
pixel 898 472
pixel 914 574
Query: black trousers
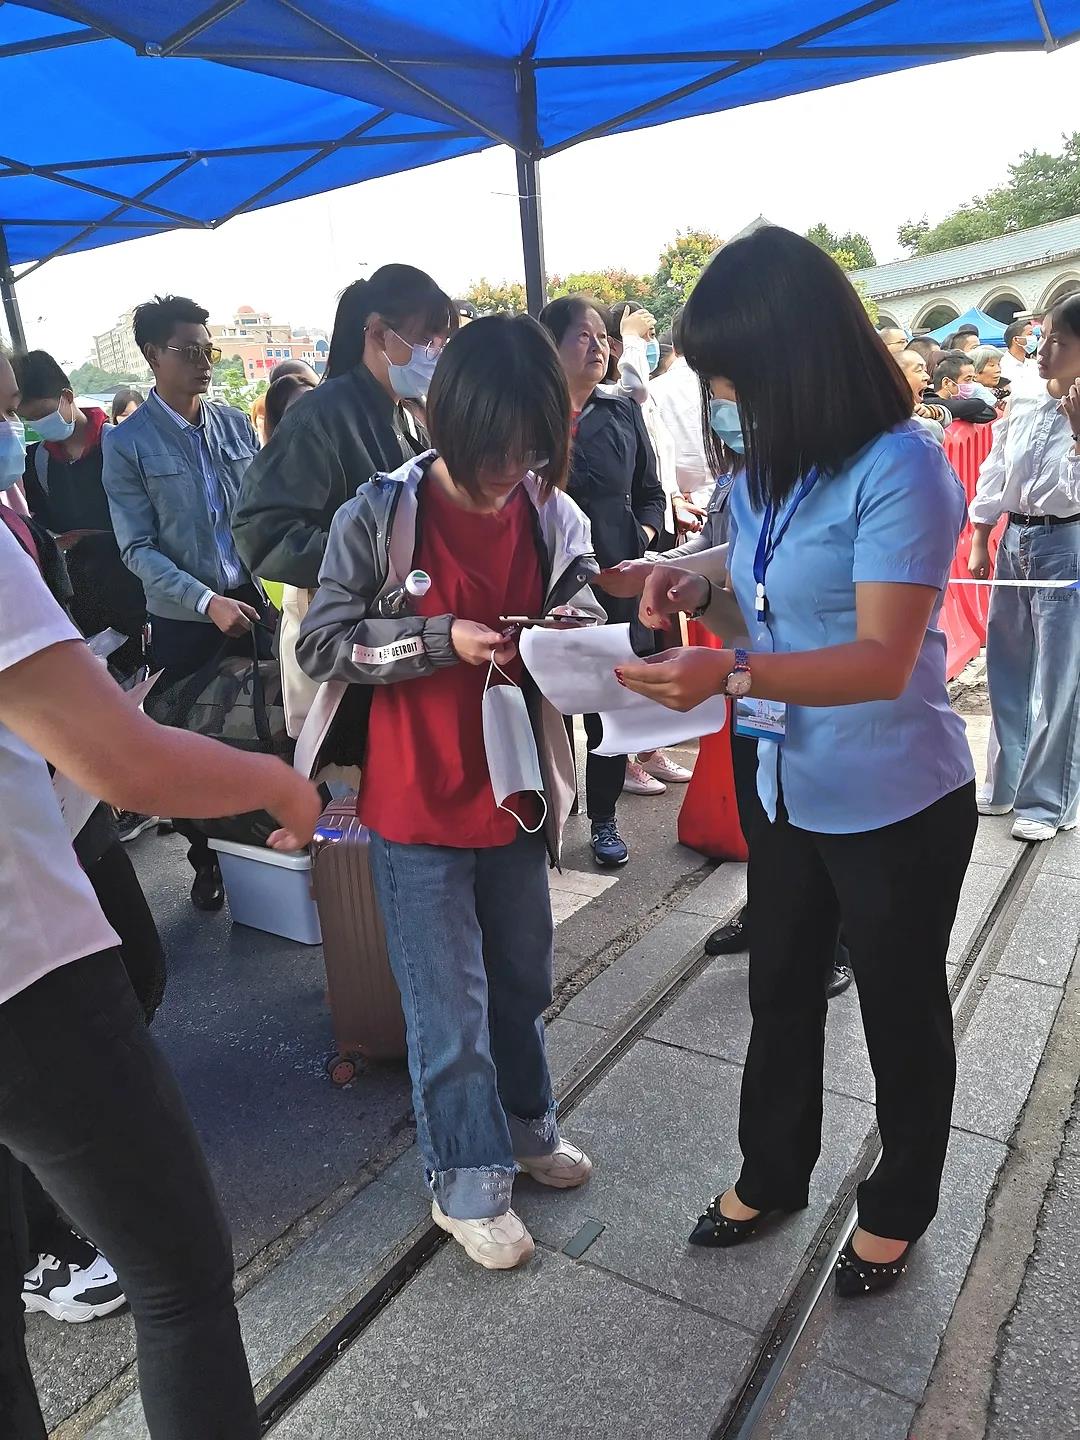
pixel 180 647
pixel 604 774
pixel 108 1135
pixel 895 892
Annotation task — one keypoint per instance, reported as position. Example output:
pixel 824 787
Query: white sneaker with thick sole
pixel 498 1243
pixel 985 808
pixel 638 782
pixel 662 767
pixel 73 1292
pixel 564 1169
pixel 1033 830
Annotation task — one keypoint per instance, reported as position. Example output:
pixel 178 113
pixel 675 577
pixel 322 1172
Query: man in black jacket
pixel 954 387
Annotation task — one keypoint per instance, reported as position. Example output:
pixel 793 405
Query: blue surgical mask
pixel 412 381
pixel 724 420
pixel 652 354
pixel 1031 344
pixel 54 427
pixel 12 452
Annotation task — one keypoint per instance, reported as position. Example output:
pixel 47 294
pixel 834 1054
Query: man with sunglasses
pixel 172 473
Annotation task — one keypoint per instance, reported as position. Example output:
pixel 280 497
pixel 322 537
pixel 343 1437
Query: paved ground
pixel 642 1335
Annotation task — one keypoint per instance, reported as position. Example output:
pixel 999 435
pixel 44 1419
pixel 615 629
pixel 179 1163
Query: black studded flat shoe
pixel 715 1230
pixel 856 1277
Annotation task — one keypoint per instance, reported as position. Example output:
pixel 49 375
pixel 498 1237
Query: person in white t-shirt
pixel 106 1131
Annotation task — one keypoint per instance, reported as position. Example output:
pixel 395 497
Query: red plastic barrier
pixel 964 613
pixel 709 817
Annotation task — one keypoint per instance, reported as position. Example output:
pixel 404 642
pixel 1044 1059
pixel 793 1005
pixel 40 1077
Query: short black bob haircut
pixel 38 376
pixel 122 399
pixel 820 387
pixel 499 390
pixel 156 320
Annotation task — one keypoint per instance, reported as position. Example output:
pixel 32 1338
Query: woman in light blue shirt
pixel 843 527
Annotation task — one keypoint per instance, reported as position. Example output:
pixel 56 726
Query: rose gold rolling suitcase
pixel 365 1007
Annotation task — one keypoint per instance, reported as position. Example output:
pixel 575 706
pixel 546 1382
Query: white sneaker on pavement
pixel 1033 830
pixel 564 1169
pixel 500 1242
pixel 639 782
pixel 75 1293
pixel 662 767
pixel 986 807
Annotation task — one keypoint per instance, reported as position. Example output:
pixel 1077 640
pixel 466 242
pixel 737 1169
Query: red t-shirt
pixel 425 780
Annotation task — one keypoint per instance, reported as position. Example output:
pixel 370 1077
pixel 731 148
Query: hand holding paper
pixel 575 671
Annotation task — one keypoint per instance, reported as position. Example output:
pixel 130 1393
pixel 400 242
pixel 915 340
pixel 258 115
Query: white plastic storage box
pixel 270 890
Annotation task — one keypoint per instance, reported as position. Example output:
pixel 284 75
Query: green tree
pixel 1041 187
pixel 853 243
pixel 681 262
pixel 506 296
pixel 88 379
pixel 607 286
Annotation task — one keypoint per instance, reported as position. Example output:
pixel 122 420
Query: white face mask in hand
pixel 510 745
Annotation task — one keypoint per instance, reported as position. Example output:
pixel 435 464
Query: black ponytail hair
pixel 398 293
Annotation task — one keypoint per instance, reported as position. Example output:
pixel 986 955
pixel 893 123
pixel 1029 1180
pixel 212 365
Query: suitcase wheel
pixel 341 1069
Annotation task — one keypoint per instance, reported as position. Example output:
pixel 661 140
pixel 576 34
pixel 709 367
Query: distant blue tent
pixel 127 117
pixel 991 331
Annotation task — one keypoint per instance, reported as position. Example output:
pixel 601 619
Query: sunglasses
pixel 194 353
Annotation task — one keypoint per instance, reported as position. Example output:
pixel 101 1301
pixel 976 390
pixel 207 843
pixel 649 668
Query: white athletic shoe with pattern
pixel 565 1168
pixel 499 1243
pixel 662 767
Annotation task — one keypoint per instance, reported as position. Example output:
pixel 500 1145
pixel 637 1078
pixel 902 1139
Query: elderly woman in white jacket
pixel 1032 475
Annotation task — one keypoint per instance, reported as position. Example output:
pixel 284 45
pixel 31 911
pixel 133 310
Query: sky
pixel 866 156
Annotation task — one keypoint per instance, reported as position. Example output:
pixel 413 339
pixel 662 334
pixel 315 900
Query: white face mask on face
pixel 54 427
pixel 412 381
pixel 510 746
pixel 12 452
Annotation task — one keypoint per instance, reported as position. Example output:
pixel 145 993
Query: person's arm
pixel 282 517
pixel 135 525
pixel 64 704
pixel 634 367
pixel 646 492
pixel 987 504
pixel 339 640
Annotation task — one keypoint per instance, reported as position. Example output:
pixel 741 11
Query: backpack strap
pixel 22 533
pixel 41 467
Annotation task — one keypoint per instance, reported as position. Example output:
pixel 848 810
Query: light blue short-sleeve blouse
pixel 893 514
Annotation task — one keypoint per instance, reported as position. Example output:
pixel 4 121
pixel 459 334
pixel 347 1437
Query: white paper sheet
pixel 575 671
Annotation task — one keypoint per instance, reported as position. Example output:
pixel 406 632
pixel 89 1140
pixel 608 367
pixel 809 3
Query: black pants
pixel 89 1105
pixel 604 774
pixel 124 905
pixel 180 647
pixel 895 891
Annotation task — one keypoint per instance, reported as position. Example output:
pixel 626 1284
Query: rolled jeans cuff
pixel 473 1194
pixel 532 1138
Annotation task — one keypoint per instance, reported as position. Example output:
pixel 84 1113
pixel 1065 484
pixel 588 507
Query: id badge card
pixel 761 719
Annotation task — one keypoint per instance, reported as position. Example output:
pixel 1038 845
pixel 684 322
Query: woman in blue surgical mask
pixel 366 416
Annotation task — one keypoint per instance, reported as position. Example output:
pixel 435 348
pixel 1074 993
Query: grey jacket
pixel 370 551
pixel 158 501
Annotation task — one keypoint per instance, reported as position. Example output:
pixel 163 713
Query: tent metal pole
pixel 16 332
pixel 528 178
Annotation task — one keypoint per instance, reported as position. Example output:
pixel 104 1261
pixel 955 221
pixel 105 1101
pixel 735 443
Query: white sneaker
pixel 639 782
pixel 1033 830
pixel 564 1169
pixel 662 767
pixel 73 1292
pixel 498 1243
pixel 985 808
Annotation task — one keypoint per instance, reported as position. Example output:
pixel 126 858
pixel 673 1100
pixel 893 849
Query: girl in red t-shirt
pixel 460 866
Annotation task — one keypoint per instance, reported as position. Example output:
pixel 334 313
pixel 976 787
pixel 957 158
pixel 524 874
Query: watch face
pixel 739 682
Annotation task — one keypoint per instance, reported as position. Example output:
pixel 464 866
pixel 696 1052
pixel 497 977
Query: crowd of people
pixel 577 466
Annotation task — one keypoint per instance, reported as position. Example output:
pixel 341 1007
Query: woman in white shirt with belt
pixel 1032 474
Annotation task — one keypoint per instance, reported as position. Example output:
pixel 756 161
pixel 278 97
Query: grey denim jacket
pixel 157 499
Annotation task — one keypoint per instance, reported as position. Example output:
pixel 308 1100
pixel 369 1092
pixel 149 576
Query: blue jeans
pixel 470 939
pixel 1033 669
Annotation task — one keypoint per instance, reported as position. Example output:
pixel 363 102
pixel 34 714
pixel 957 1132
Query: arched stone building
pixel 1027 271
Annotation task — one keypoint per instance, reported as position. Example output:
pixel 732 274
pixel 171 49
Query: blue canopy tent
pixel 991 331
pixel 190 113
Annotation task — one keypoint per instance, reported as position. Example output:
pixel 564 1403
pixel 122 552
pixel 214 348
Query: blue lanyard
pixel 770 537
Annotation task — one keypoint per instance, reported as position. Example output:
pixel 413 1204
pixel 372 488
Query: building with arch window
pixel 1026 272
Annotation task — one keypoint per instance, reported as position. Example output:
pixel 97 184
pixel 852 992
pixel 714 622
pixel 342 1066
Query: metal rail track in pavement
pixel 746 1418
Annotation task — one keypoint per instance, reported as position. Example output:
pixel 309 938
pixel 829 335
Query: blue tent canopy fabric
pixel 190 112
pixel 991 331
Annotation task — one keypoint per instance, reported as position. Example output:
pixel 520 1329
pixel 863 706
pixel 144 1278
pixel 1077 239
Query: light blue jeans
pixel 470 939
pixel 1033 669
